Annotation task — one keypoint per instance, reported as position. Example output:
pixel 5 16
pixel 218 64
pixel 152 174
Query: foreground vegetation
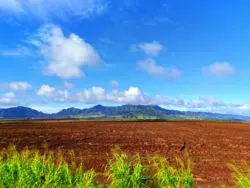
pixel 31 168
pixel 241 175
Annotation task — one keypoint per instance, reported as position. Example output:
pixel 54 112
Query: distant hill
pixel 20 112
pixel 124 112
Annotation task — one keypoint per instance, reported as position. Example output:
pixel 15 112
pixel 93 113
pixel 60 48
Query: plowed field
pixel 211 145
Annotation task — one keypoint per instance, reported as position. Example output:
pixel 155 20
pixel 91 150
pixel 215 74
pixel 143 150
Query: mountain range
pixel 124 112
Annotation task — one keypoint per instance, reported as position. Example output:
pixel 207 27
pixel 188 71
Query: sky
pixel 185 55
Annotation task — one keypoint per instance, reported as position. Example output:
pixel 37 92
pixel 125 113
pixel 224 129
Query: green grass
pixel 128 172
pixel 125 173
pixel 241 174
pixel 167 175
pixel 31 168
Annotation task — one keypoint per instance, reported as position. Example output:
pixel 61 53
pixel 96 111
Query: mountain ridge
pixel 127 111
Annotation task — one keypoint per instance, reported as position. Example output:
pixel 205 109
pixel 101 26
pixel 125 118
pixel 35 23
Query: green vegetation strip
pixel 31 168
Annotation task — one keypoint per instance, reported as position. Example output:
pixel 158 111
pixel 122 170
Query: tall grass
pixel 130 173
pixel 175 177
pixel 31 168
pixel 125 173
pixel 241 174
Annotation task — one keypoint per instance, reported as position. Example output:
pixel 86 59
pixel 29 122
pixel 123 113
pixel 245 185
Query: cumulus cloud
pixel 91 95
pixel 114 83
pixel 152 48
pixel 8 99
pixel 54 94
pixel 220 69
pixel 68 85
pixel 18 86
pixel 97 94
pixel 65 56
pixel 48 9
pixel 46 91
pixel 151 67
pixel 131 96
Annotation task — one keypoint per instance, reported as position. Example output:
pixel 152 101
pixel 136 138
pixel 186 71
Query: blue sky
pixel 187 55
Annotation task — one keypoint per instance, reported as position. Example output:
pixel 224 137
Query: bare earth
pixel 211 145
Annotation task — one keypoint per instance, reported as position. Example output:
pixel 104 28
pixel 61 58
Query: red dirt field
pixel 211 145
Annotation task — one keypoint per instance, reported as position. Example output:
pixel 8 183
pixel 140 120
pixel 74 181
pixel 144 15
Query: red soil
pixel 211 145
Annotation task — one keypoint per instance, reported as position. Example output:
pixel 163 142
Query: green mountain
pixel 124 112
pixel 20 113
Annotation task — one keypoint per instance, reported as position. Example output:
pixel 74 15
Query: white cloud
pixel 49 9
pixel 54 94
pixel 114 83
pixel 46 91
pixel 92 95
pixel 131 96
pixel 18 86
pixel 65 56
pixel 219 69
pixel 62 96
pixel 244 107
pixel 68 85
pixel 151 67
pixel 95 95
pixel 8 99
pixel 153 48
